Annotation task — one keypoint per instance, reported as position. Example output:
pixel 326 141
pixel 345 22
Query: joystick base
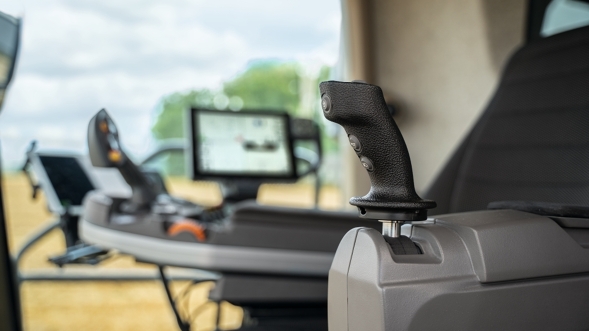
pixel 405 215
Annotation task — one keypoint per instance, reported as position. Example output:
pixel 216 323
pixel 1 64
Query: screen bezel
pixel 53 202
pixel 196 174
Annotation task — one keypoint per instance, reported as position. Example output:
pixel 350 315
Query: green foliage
pixel 267 85
pixel 264 85
pixel 329 143
pixel 324 74
pixel 170 122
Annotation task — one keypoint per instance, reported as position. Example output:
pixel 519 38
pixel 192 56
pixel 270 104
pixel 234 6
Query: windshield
pixel 135 58
pixel 147 62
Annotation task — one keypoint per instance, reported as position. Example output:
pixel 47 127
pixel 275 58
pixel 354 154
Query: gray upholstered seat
pixel 532 141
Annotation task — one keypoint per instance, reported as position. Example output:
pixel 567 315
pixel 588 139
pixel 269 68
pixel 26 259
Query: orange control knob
pixel 190 226
pixel 103 127
pixel 114 156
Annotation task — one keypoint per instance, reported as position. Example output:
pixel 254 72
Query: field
pixel 118 306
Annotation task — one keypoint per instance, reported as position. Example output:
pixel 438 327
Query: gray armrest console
pixel 485 270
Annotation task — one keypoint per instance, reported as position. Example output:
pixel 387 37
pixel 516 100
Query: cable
pixel 184 326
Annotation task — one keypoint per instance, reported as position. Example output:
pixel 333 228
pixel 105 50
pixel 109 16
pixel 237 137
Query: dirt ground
pixel 118 306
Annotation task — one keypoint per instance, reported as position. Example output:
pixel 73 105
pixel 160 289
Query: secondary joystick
pixel 361 110
pixel 105 151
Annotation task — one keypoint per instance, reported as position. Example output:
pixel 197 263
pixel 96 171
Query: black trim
pixel 536 14
pixel 197 174
pixel 10 308
pixel 15 53
pixel 543 208
pixel 10 301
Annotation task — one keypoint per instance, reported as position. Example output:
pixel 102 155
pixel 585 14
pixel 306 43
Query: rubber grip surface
pixel 361 110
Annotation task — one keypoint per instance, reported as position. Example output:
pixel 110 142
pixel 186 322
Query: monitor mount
pixel 361 110
pixel 237 190
pixel 77 252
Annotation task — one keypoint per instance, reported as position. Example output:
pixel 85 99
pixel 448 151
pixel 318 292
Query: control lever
pixel 360 108
pixel 25 168
pixel 105 151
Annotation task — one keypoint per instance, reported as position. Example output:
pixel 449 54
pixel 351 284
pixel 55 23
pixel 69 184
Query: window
pixel 146 62
pixel 564 15
pixel 549 17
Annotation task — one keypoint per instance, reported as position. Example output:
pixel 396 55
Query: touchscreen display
pixel 68 179
pixel 242 143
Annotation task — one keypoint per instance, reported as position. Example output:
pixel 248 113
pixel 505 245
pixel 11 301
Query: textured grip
pixel 361 110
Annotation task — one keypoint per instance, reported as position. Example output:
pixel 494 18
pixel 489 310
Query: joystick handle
pixel 106 152
pixel 361 110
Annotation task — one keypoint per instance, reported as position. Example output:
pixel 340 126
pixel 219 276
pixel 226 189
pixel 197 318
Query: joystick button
pixel 366 163
pixel 355 143
pixel 326 103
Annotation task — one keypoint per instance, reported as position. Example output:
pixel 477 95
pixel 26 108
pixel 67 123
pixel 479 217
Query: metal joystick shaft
pixel 361 110
pixel 391 228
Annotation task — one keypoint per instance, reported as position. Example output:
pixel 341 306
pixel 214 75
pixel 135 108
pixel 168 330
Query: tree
pixel 264 85
pixel 170 121
pixel 267 85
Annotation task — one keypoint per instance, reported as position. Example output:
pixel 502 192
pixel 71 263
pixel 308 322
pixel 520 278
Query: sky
pixel 79 56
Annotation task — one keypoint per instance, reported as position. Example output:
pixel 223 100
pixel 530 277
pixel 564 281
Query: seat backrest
pixel 532 141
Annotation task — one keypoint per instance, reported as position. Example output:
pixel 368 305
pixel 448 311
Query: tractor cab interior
pixel 464 156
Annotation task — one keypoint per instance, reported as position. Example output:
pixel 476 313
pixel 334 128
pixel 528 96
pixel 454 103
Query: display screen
pixel 68 179
pixel 242 144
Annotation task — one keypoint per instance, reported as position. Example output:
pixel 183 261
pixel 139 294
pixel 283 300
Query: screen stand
pixel 239 190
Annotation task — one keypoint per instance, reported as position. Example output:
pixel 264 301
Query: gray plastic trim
pixel 206 256
pixel 371 289
pixel 571 222
pixel 506 245
pixel 337 287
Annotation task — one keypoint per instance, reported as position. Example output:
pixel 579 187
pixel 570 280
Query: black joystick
pixel 106 152
pixel 361 110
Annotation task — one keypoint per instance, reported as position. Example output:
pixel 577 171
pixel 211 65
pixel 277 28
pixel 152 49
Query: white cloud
pixel 78 56
pixel 10 133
